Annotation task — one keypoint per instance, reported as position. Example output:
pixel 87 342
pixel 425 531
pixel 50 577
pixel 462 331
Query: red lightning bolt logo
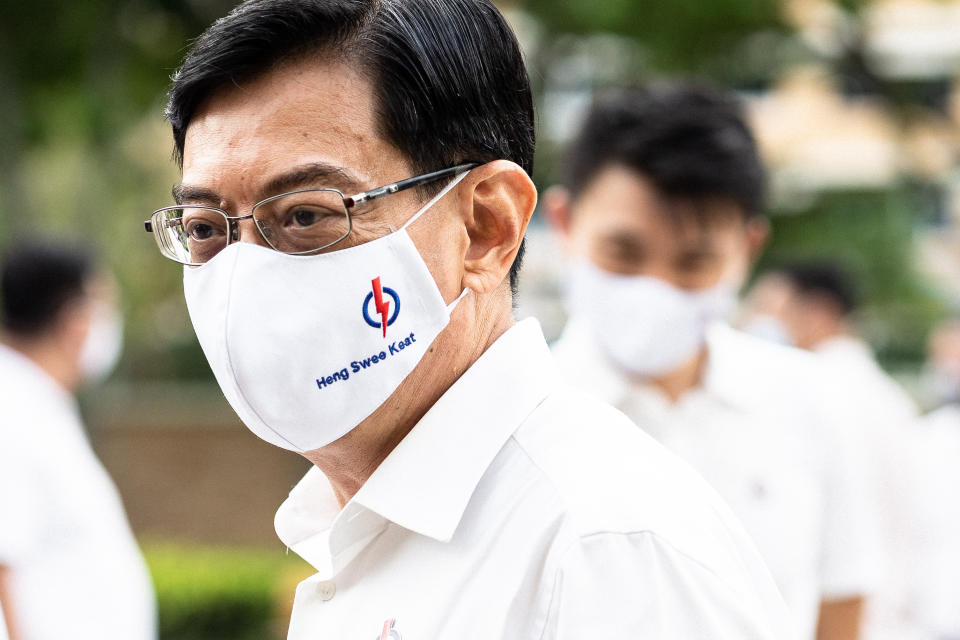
pixel 383 308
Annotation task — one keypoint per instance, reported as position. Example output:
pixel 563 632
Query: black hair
pixel 37 280
pixel 825 279
pixel 691 142
pixel 449 78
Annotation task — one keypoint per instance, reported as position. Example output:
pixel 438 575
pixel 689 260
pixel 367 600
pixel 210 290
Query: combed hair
pixel 37 280
pixel 825 279
pixel 449 79
pixel 690 142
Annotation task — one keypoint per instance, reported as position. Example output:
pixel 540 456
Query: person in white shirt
pixel 660 214
pixel 69 565
pixel 935 576
pixel 812 305
pixel 363 318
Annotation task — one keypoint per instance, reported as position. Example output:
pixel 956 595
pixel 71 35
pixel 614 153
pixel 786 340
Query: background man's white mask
pixel 644 325
pixel 103 345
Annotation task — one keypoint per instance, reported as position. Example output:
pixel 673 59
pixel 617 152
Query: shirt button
pixel 326 590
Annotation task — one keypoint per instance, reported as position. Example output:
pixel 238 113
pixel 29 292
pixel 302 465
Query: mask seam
pixel 226 350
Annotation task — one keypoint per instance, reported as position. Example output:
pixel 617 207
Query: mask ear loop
pixel 453 305
pixel 430 203
pixel 436 198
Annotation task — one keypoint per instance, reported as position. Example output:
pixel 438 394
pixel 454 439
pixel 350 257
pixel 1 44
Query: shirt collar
pixel 726 377
pixel 731 373
pixel 426 482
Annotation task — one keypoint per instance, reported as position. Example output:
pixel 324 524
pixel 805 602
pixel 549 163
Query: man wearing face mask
pixel 69 566
pixel 812 305
pixel 660 214
pixel 355 191
pixel 935 564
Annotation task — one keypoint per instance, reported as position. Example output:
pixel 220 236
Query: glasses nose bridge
pixel 237 230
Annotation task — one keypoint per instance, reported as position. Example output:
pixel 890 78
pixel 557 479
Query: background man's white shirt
pixel 880 415
pixel 76 570
pixel 520 508
pixel 758 432
pixel 934 579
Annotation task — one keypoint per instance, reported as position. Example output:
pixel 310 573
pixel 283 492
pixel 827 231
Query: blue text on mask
pixel 359 365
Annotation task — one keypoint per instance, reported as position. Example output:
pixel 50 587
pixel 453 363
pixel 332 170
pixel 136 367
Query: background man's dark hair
pixel 823 279
pixel 37 280
pixel 449 78
pixel 691 143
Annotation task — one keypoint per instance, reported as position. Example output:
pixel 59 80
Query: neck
pixel 350 461
pixel 819 335
pixel 687 376
pixel 47 354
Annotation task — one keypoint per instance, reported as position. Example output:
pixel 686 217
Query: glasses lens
pixel 304 221
pixel 191 234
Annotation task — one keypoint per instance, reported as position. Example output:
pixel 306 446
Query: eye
pixel 695 262
pixel 200 230
pixel 305 217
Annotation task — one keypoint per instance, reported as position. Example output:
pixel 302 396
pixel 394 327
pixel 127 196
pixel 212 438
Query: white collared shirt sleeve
pixel 636 585
pixel 850 553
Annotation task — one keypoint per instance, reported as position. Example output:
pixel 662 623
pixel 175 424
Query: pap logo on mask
pixel 383 312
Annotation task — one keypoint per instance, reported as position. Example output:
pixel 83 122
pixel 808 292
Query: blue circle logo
pixel 385 311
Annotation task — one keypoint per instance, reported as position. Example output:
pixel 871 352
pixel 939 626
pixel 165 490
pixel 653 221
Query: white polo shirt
pixel 934 585
pixel 520 508
pixel 880 414
pixel 757 431
pixel 76 570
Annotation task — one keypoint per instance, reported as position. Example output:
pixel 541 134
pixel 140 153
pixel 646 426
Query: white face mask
pixel 306 347
pixel 768 328
pixel 643 324
pixel 103 345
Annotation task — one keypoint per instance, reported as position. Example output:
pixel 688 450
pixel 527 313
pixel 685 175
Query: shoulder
pixel 762 361
pixel 611 478
pixel 647 538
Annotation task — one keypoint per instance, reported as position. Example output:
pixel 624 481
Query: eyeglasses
pixel 298 222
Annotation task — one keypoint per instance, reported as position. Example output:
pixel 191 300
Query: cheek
pixel 443 249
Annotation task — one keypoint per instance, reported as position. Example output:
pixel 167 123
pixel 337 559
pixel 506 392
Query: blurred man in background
pixel 812 305
pixel 69 566
pixel 661 214
pixel 935 576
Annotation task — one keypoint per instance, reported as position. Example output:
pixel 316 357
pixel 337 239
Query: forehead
pixel 304 111
pixel 622 201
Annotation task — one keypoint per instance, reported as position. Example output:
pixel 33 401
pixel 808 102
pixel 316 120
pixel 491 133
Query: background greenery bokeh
pixel 86 152
pixel 212 593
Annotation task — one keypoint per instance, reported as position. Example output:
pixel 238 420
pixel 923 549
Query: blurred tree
pixel 680 36
pixel 86 152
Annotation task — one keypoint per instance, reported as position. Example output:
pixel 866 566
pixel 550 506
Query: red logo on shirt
pixel 389 633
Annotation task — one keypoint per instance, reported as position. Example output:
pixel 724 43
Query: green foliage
pixel 86 152
pixel 679 35
pixel 206 593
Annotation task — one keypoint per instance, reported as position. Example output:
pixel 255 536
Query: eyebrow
pixel 314 174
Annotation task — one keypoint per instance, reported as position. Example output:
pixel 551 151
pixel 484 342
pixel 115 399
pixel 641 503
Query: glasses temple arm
pixel 379 192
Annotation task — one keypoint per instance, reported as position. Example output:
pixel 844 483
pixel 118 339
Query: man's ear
pixel 758 234
pixel 502 198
